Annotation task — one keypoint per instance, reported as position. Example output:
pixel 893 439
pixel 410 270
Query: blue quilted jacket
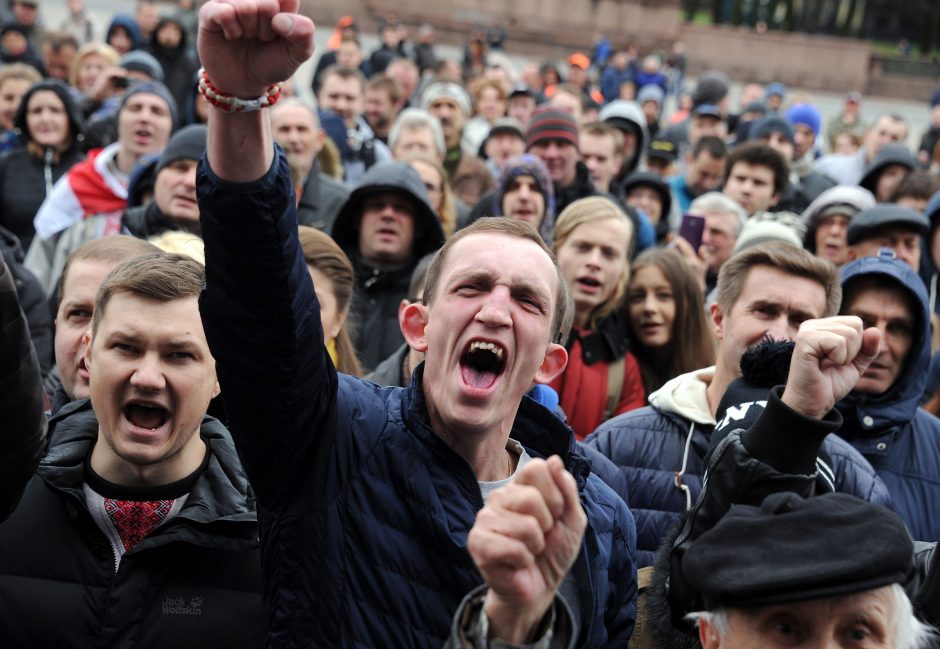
pixel 654 445
pixel 364 511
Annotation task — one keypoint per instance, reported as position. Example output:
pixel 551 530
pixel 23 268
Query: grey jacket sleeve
pixel 23 431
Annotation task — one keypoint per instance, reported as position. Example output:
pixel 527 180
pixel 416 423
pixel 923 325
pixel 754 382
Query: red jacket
pixel 582 387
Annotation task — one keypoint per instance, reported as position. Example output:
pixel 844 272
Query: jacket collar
pixel 607 343
pixel 535 427
pixel 220 497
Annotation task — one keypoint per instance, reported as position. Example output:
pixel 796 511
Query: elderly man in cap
pixel 468 175
pixel 888 225
pixel 794 572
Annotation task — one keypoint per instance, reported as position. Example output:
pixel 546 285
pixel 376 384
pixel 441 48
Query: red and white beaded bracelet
pixel 232 104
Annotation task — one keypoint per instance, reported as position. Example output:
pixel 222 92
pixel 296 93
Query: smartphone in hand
pixel 691 229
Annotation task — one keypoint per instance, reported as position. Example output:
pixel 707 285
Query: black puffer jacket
pixel 194 582
pixel 21 403
pixel 374 310
pixel 32 300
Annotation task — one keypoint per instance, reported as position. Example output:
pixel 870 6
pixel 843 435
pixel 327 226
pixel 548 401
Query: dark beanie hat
pixel 771 124
pixel 711 88
pixel 551 125
pixel 186 144
pixel 144 62
pixel 792 549
pixel 153 88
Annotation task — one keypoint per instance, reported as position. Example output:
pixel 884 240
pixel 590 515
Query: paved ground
pixel 828 103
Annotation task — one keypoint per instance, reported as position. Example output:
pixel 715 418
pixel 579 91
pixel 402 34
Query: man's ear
pixel 718 319
pixel 708 635
pixel 775 199
pixel 216 389
pixel 852 253
pixel 86 341
pixel 413 320
pixel 554 363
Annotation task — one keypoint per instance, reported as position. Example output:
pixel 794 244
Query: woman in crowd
pixel 439 194
pixel 49 126
pixel 91 60
pixel 593 238
pixel 669 332
pixel 334 281
pixel 490 101
pixel 15 80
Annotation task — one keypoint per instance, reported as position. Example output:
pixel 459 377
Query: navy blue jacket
pixel 649 447
pixel 364 511
pixel 901 440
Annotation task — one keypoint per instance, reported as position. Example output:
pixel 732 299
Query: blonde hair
pixel 181 243
pixel 446 212
pixel 103 50
pixel 591 210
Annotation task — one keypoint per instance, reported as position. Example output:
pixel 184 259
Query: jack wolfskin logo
pixel 180 606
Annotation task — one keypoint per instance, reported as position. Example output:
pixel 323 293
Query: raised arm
pixel 247 46
pixel 259 309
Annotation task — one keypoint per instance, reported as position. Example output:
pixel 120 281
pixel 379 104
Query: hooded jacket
pixel 856 198
pixel 27 175
pixel 662 450
pixel 899 439
pixel 374 309
pixel 527 164
pixel 631 113
pixel 194 581
pixel 130 26
pixel 364 510
pixel 179 63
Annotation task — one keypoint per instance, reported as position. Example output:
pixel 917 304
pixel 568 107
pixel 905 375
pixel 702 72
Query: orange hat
pixel 580 60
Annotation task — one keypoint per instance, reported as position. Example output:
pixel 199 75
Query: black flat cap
pixel 792 549
pixel 867 222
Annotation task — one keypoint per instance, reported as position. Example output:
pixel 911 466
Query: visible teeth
pixel 488 347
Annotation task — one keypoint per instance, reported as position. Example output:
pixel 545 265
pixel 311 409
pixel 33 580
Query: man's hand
pixel 247 45
pixel 693 258
pixel 829 358
pixel 524 541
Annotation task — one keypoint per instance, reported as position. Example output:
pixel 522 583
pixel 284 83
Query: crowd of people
pixel 462 353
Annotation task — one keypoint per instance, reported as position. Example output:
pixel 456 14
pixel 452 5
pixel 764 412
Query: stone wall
pixel 801 60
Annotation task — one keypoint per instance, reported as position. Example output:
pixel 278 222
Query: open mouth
pixel 589 284
pixel 482 363
pixel 145 415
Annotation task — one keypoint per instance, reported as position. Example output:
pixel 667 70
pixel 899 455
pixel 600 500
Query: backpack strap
pixel 615 373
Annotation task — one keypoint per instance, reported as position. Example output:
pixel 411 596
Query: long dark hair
pixel 691 341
